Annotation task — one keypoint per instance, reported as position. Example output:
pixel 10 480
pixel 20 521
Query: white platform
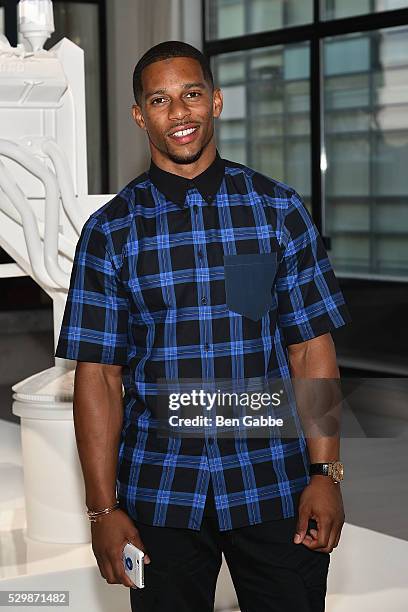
pixel 368 571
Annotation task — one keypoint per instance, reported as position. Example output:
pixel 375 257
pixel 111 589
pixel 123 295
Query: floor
pixel 367 570
pixel 375 492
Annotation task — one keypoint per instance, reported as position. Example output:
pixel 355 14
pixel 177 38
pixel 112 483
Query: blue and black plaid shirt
pixel 210 278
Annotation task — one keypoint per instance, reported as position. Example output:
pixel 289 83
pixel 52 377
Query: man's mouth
pixel 185 135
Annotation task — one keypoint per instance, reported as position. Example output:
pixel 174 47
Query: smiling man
pixel 201 268
pixel 181 139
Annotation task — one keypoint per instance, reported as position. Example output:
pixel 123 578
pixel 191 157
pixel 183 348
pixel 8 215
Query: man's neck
pixel 188 171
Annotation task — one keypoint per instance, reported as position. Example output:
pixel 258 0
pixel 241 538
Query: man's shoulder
pixel 115 218
pixel 123 203
pixel 262 184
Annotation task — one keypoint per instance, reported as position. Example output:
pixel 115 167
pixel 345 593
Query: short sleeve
pixel 310 302
pixel 95 320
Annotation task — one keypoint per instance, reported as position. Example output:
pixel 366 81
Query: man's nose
pixel 178 110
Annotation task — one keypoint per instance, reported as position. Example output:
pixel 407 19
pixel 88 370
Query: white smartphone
pixel 133 561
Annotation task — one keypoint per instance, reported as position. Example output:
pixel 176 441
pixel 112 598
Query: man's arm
pixel 316 359
pixel 321 499
pixel 98 419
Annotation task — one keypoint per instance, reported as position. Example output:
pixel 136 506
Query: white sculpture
pixel 44 203
pixel 36 21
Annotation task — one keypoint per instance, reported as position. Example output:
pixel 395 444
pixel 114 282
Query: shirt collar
pixel 175 187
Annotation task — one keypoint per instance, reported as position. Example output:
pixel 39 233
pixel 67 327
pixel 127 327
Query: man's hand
pixel 110 534
pixel 321 500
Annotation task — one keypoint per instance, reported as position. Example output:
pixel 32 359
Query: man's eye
pixel 194 93
pixel 156 100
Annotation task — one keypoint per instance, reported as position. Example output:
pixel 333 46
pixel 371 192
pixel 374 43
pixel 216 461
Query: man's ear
pixel 217 102
pixel 138 116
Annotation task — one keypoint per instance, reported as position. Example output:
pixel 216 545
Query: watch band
pixel 319 469
pixel 334 469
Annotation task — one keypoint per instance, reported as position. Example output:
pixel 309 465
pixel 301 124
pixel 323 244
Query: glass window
pixel 265 122
pixel 336 9
pixel 80 23
pixel 226 18
pixel 366 140
pixel 347 56
pixel 364 121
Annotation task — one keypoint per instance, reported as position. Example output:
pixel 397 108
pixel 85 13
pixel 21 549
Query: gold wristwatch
pixel 335 469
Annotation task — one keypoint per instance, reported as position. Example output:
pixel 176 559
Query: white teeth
pixel 184 132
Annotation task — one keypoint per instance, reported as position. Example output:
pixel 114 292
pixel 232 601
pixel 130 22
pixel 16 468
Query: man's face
pixel 177 108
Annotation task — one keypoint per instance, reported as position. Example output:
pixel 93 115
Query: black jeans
pixel 270 573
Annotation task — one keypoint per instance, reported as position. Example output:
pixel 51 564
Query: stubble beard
pixel 189 159
pixel 177 159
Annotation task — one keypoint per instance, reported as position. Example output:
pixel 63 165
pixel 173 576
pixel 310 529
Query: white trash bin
pixel 53 482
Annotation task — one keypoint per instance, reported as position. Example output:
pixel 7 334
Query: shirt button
pixel 204 300
pixel 195 207
pixel 211 440
pixel 209 198
pixel 200 254
pixel 206 346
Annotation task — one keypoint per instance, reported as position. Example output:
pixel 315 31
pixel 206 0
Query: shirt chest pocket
pixel 248 283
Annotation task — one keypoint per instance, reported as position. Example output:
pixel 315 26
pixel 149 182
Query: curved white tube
pixel 69 202
pixel 65 246
pixel 30 229
pixel 51 217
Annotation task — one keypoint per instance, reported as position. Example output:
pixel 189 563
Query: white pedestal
pixel 53 483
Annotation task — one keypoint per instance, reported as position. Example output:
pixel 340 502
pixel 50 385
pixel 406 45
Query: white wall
pixel 133 27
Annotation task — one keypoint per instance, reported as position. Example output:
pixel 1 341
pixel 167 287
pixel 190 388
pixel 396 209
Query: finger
pixel 332 539
pixel 307 540
pixel 329 547
pixel 302 525
pixel 334 536
pixel 341 525
pixel 108 571
pixel 120 574
pixel 310 537
pixel 101 568
pixel 311 544
pixel 337 539
pixel 136 540
pixel 323 535
pixel 103 564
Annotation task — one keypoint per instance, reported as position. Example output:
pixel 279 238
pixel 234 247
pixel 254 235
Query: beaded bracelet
pixel 93 514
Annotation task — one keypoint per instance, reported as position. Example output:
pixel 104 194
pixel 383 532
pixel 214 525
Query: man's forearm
pixel 98 419
pixel 310 361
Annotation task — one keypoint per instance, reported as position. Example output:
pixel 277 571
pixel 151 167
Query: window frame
pixel 314 33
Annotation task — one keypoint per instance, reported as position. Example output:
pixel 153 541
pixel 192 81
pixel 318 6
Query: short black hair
pixel 167 50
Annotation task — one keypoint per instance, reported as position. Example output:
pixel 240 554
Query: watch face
pixel 338 470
